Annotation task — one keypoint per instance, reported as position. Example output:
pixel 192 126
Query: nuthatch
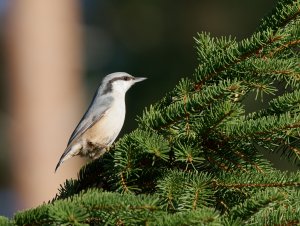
pixel 103 120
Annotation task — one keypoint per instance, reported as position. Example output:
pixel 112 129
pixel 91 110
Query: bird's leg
pixel 96 150
pixel 110 147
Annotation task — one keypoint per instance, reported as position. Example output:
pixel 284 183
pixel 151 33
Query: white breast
pixel 115 117
pixel 106 130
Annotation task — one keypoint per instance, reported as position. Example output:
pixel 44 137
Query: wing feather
pixel 95 112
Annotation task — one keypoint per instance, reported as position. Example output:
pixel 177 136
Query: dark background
pixel 155 39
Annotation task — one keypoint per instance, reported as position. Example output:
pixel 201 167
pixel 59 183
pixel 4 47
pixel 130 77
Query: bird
pixel 103 120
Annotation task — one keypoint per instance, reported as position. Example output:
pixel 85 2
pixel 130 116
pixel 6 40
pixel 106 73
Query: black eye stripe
pixel 108 87
pixel 125 78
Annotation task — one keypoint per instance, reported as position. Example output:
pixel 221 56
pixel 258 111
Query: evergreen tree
pixel 196 156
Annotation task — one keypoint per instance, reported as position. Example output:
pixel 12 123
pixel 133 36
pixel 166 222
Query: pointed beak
pixel 139 79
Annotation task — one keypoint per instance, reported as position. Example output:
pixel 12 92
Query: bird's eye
pixel 126 78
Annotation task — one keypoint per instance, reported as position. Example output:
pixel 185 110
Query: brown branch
pixel 280 48
pixel 294 149
pixel 195 200
pixel 218 122
pixel 242 156
pixel 123 182
pixel 289 223
pixel 253 185
pixel 187 115
pixel 223 166
pixel 291 18
pixel 225 140
pixel 292 126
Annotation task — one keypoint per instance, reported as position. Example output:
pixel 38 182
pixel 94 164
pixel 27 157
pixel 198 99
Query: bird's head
pixel 119 82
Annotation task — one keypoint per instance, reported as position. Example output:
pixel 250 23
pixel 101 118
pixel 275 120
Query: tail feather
pixel 58 164
pixel 70 151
